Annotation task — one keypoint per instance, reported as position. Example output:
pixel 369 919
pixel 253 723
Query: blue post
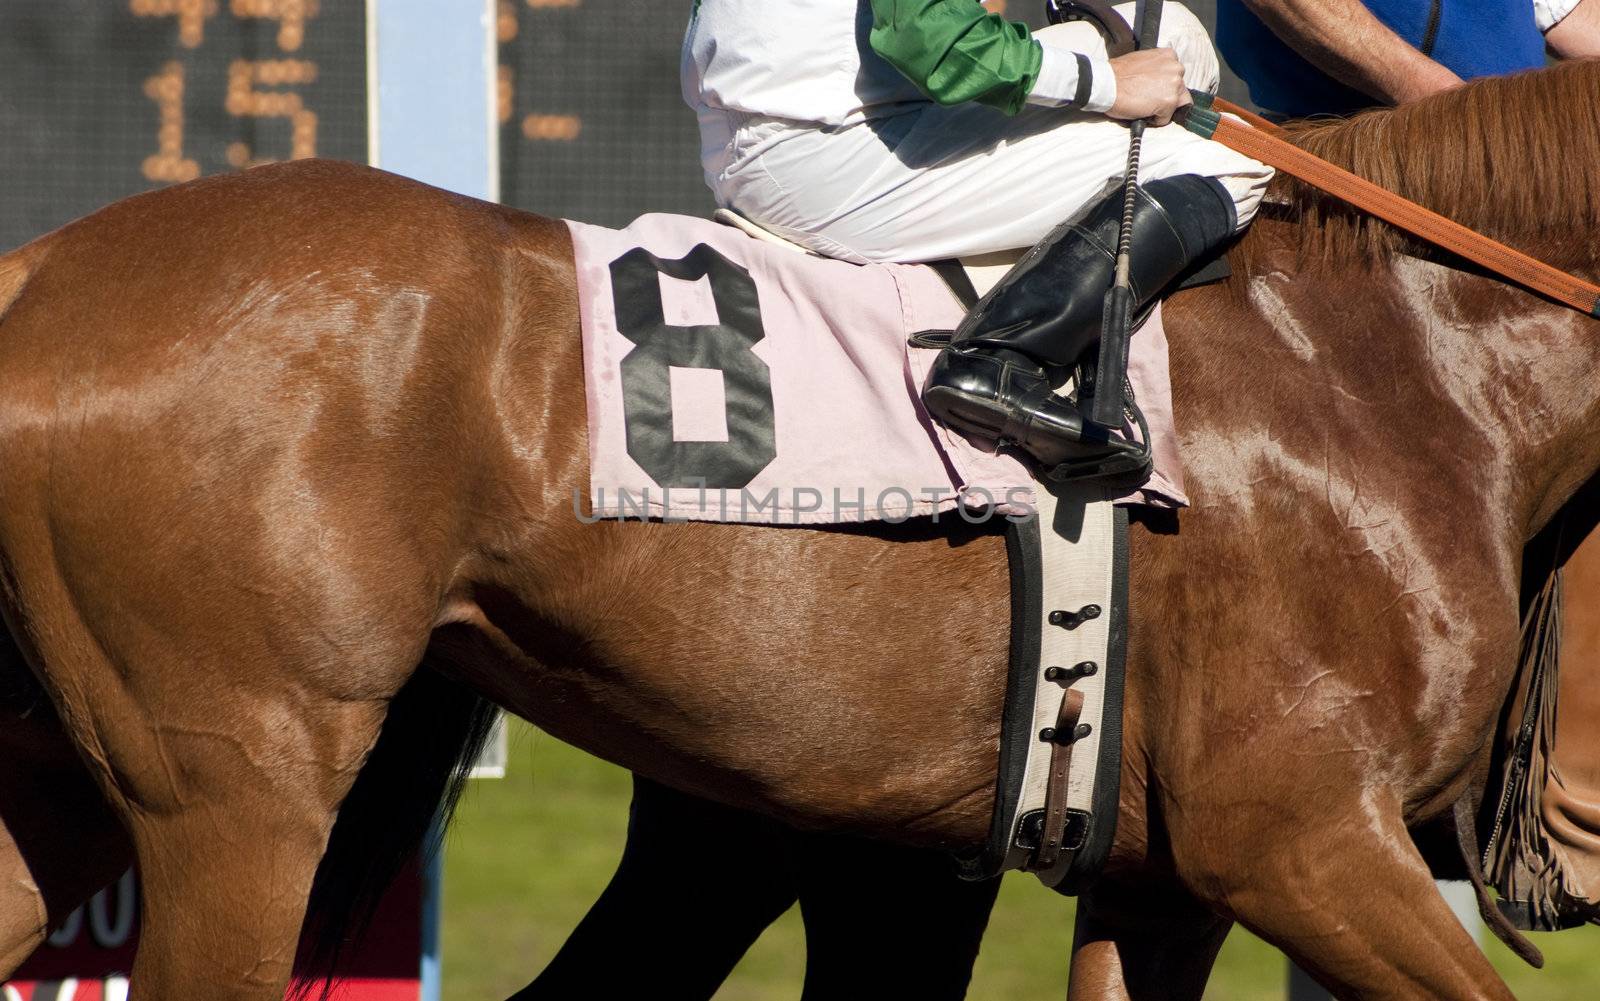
pixel 432 115
pixel 431 82
pixel 432 901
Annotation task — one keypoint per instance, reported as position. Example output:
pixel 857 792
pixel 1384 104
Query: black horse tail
pixel 435 729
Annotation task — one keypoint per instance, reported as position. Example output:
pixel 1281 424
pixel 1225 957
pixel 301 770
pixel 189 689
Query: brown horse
pixel 271 441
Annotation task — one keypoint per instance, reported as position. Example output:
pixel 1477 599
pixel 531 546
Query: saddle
pixel 1061 749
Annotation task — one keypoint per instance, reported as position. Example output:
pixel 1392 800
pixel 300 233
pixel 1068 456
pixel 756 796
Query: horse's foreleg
pixel 1350 900
pixel 1130 945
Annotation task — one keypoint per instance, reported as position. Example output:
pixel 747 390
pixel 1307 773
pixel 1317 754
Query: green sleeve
pixel 956 51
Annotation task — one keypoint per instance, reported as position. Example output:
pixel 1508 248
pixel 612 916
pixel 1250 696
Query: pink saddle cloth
pixel 729 379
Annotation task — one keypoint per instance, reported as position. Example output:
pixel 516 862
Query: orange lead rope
pixel 1265 142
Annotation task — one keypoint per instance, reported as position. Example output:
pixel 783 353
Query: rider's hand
pixel 1149 85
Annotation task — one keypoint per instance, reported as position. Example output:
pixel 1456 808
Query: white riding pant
pixel 937 182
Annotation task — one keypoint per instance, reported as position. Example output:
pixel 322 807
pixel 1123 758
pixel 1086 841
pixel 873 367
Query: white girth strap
pixel 1076 529
pixel 1076 537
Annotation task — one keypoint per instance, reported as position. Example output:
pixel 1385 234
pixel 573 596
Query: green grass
pixel 529 853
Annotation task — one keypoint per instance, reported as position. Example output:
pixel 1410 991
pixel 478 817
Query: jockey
pixel 921 130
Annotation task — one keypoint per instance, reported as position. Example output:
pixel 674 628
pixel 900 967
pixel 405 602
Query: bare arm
pixel 1577 36
pixel 1344 40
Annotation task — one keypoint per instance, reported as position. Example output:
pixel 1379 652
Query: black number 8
pixel 724 346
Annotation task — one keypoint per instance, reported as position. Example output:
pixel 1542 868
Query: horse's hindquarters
pixel 229 508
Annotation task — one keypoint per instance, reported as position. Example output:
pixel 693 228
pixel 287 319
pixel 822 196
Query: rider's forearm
pixel 1344 40
pixel 1577 34
pixel 955 51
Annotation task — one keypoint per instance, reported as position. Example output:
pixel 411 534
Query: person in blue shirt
pixel 1316 57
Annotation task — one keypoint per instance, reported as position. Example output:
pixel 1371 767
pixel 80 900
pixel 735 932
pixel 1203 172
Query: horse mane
pixel 1515 157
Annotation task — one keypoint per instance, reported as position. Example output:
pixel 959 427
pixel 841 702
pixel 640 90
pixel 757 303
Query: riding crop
pixel 1108 403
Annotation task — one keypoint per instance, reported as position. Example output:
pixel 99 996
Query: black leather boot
pixel 995 378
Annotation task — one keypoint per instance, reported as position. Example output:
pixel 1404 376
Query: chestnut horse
pixel 270 441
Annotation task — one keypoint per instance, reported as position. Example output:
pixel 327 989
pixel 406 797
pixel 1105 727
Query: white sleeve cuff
pixel 1070 79
pixel 1550 12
